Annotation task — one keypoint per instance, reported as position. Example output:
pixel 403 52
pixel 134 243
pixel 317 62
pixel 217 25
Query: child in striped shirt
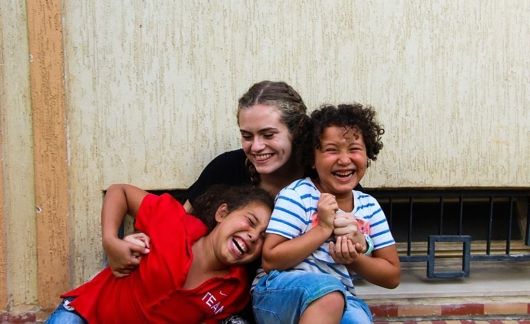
pixel 308 269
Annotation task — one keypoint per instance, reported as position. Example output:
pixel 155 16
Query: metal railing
pixel 489 217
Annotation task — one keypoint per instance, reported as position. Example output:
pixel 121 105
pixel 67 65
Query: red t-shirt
pixel 152 293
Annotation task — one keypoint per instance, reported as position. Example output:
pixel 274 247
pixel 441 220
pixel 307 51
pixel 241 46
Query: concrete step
pixel 500 288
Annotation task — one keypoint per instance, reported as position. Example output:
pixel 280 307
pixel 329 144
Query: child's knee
pixel 331 303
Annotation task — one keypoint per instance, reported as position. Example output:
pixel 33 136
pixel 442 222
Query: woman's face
pixel 341 160
pixel 266 141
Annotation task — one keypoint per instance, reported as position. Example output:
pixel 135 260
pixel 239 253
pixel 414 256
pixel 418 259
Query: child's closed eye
pixel 251 221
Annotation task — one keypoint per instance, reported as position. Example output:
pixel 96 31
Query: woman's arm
pixel 120 200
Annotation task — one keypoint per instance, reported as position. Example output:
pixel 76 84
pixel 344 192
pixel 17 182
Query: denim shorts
pixel 65 314
pixel 282 296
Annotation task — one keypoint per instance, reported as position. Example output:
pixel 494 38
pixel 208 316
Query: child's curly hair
pixel 235 197
pixel 356 116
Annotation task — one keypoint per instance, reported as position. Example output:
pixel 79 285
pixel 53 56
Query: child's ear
pixel 221 212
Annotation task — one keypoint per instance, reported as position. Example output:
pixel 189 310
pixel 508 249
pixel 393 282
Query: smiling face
pixel 341 160
pixel 239 235
pixel 265 139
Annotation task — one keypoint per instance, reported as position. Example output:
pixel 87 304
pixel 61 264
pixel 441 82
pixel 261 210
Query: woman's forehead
pixel 260 116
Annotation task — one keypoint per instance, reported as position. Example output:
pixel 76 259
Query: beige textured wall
pixel 18 236
pixel 152 88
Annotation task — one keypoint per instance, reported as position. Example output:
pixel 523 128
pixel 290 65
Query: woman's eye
pixel 268 135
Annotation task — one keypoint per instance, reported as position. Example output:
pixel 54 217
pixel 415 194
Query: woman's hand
pixel 124 255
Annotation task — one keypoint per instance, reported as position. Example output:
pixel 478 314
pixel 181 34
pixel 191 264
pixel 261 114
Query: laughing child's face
pixel 240 233
pixel 341 160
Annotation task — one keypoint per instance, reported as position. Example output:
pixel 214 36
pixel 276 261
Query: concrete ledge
pixel 493 288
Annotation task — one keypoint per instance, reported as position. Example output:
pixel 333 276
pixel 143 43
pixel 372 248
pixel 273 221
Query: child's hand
pixel 344 251
pixel 347 226
pixel 140 239
pixel 327 207
pixel 344 223
pixel 125 255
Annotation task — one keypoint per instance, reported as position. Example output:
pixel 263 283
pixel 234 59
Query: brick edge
pixel 445 310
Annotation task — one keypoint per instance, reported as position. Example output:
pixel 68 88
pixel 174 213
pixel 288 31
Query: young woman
pixel 194 272
pixel 271 118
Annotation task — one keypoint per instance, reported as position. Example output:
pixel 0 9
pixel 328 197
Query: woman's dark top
pixel 227 168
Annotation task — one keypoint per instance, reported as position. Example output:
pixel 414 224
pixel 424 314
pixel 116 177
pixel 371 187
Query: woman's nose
pixel 257 144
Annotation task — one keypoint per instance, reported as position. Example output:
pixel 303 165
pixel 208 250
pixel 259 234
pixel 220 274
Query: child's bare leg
pixel 326 309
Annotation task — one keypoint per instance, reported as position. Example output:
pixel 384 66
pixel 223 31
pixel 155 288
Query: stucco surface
pixel 156 84
pixel 152 87
pixel 18 233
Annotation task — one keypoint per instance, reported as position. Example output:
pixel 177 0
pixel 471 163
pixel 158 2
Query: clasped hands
pixel 349 241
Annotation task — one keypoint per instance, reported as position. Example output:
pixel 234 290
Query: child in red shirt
pixel 194 271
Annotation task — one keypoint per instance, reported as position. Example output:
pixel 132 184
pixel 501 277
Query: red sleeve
pixel 154 207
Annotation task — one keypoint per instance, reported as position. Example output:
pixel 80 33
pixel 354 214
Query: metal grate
pixel 496 220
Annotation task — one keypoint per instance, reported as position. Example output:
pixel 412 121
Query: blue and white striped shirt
pixel 293 211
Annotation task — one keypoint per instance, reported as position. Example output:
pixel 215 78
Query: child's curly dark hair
pixel 357 116
pixel 205 206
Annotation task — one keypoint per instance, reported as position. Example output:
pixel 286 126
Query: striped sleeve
pixel 289 215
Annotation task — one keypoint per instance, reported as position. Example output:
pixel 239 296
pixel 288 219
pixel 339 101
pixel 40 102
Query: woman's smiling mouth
pixel 262 156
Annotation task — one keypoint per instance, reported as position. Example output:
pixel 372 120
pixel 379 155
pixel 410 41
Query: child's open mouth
pixel 343 174
pixel 240 245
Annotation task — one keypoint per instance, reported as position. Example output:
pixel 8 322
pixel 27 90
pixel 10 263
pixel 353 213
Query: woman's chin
pixel 266 169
